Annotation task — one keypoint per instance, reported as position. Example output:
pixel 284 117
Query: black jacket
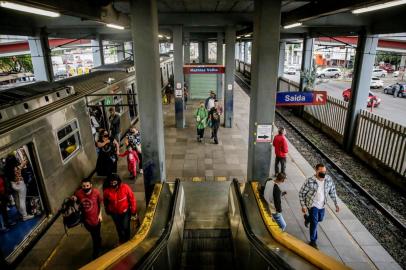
pixel 277 194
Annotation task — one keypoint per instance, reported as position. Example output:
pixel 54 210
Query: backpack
pixel 216 115
pixel 71 213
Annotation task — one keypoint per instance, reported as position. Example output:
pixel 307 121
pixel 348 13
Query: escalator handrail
pixel 150 257
pixel 312 255
pixel 263 250
pixel 115 255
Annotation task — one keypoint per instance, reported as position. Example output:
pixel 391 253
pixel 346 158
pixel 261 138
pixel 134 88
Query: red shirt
pixel 118 200
pixel 90 205
pixel 2 186
pixel 281 146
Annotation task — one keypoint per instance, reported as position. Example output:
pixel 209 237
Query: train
pixel 47 137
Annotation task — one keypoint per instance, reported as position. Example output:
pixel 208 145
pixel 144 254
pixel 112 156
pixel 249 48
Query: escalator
pixel 203 225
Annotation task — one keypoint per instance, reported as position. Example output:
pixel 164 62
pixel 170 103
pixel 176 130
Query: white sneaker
pixel 28 217
pixel 141 171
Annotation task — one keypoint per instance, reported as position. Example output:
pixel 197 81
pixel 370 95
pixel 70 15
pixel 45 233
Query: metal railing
pixel 382 139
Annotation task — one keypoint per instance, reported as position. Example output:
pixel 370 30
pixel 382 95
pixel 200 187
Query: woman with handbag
pixel 107 159
pixel 201 121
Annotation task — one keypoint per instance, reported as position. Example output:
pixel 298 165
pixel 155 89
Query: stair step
pixel 206 244
pixel 207 258
pixel 206 233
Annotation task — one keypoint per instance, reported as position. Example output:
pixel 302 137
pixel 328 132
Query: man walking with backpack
pixel 281 150
pixel 90 202
pixel 214 117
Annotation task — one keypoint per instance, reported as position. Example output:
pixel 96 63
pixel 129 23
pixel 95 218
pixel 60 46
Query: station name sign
pixel 210 69
pixel 301 98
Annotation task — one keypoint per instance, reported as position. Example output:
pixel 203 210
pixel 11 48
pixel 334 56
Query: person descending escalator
pixel 121 205
pixel 273 195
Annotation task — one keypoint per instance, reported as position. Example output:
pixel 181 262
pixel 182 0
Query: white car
pixel 328 72
pixel 396 73
pixel 290 70
pixel 376 82
pixel 378 72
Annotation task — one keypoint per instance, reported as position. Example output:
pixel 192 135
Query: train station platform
pixel 341 235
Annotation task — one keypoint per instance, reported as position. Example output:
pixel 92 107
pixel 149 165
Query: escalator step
pixel 207 258
pixel 206 233
pixel 206 244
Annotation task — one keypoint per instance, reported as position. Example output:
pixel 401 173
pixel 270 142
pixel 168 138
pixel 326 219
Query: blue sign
pixel 301 98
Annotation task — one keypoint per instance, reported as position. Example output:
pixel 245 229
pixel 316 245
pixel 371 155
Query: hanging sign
pixel 204 69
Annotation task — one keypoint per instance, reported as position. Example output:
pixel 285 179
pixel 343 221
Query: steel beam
pixel 144 22
pixel 97 51
pixel 364 63
pixel 282 52
pixel 264 79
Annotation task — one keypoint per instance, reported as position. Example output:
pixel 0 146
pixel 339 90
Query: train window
pixel 46 98
pixel 1 116
pixel 26 106
pixel 69 140
pixel 57 94
pixel 118 102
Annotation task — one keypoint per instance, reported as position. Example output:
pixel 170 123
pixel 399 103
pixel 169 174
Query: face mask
pixel 321 174
pixel 86 190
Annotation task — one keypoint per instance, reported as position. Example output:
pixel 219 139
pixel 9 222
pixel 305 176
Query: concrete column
pixel 144 25
pixel 178 76
pixel 120 52
pixel 364 63
pixel 282 46
pixel 229 77
pixel 186 55
pixel 246 52
pixel 97 51
pixel 41 57
pixel 307 60
pixel 219 61
pixel 264 75
pixel 201 51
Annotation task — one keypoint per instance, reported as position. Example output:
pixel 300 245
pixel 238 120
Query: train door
pixel 132 103
pixel 98 118
pixel 23 201
pixel 162 79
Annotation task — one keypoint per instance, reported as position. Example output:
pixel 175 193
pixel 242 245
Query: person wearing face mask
pixel 90 201
pixel 201 121
pixel 313 198
pixel 108 152
pixel 120 204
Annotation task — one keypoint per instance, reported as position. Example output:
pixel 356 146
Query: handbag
pixel 210 123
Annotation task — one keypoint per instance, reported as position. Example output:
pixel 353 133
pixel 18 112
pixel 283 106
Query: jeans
pixel 96 238
pixel 200 133
pixel 282 161
pixel 280 220
pixel 122 222
pixel 315 216
pixel 214 131
pixel 20 195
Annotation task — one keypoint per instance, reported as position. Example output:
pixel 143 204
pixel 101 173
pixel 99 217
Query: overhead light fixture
pixel 292 25
pixel 238 37
pixel 160 36
pixel 29 9
pixel 247 35
pixel 167 37
pixel 115 26
pixel 379 6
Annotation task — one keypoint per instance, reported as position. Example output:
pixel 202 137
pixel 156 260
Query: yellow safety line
pixel 111 257
pixel 53 253
pixel 314 256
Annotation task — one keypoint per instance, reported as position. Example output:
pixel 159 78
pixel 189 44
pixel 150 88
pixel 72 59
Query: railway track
pixel 387 225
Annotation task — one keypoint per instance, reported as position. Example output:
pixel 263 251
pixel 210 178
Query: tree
pixel 309 76
pixel 16 64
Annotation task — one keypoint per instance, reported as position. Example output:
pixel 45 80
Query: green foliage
pixel 392 58
pixel 309 76
pixel 21 63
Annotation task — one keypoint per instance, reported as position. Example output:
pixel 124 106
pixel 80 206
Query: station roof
pixel 87 18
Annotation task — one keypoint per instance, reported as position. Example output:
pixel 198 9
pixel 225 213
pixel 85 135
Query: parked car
pixel 388 68
pixel 372 98
pixel 328 72
pixel 376 82
pixel 391 88
pixel 378 72
pixel 290 70
pixel 396 73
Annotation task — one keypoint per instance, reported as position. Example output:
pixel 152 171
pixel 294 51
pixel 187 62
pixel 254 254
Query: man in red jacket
pixel 281 150
pixel 90 202
pixel 120 203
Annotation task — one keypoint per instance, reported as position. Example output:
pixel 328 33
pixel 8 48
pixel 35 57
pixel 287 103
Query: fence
pixel 383 140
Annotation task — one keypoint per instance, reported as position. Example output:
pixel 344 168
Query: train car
pixel 47 145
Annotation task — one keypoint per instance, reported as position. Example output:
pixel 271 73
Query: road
pixel 390 108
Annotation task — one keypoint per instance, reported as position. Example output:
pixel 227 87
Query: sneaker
pixel 313 244
pixel 306 220
pixel 141 171
pixel 28 217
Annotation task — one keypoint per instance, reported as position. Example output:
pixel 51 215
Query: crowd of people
pixel 208 115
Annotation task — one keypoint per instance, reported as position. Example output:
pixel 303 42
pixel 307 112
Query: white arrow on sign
pixel 319 97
